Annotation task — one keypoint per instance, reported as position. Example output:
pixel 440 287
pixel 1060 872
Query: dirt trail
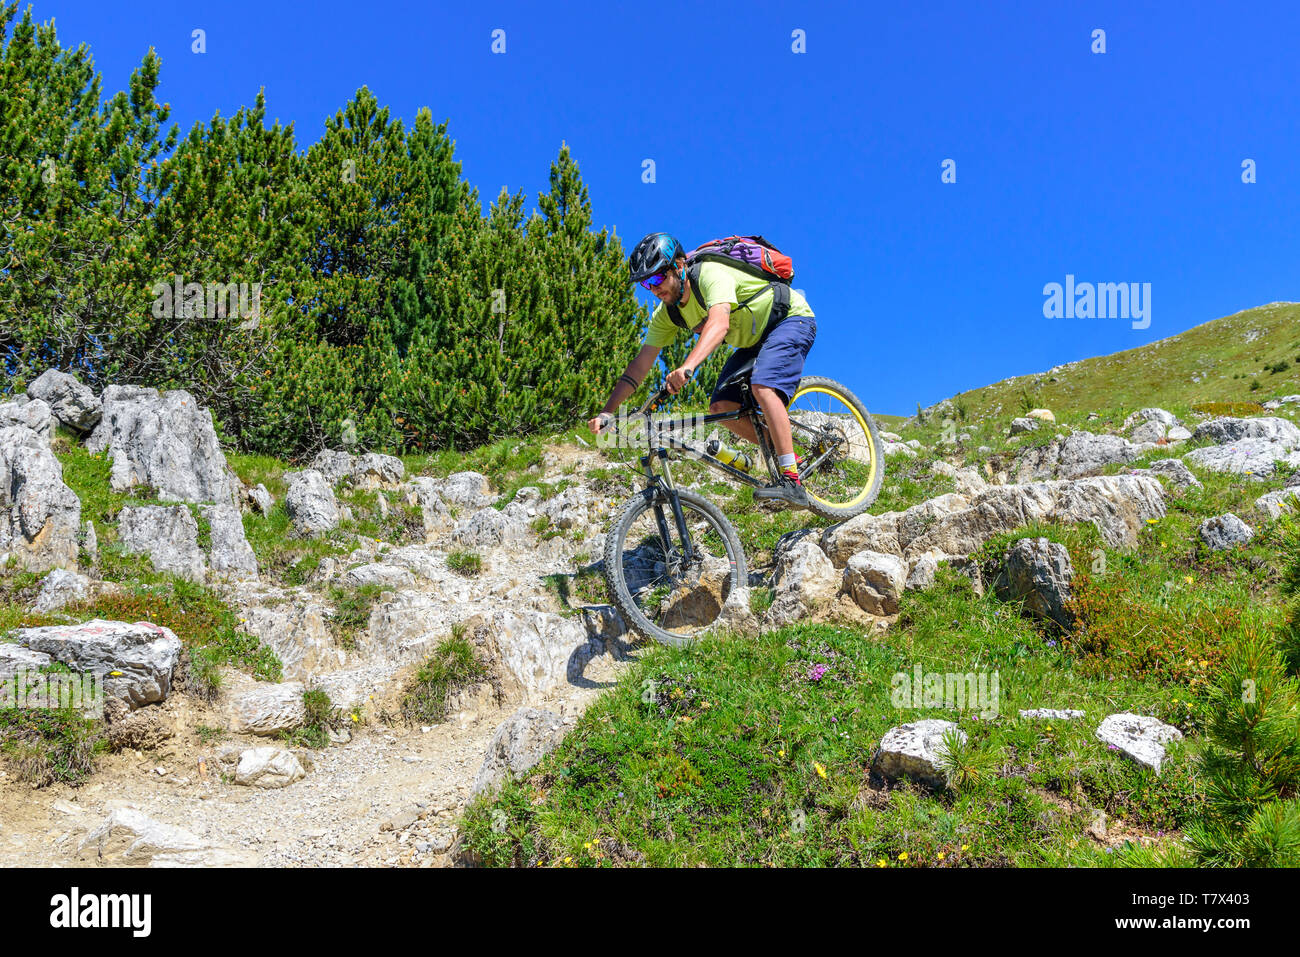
pixel 389 797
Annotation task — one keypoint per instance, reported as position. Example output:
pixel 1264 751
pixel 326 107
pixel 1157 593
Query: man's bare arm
pixel 629 381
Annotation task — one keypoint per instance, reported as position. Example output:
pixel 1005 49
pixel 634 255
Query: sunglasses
pixel 654 280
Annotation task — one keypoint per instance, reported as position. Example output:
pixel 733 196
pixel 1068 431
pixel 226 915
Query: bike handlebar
pixel 659 396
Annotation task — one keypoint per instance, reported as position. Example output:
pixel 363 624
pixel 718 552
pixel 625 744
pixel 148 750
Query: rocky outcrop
pixel 334 465
pixel 369 471
pixel 168 534
pixel 131 838
pixel 953 525
pixel 466 489
pixel 915 751
pixel 261 499
pixel 163 440
pixel 40 517
pixel 61 587
pixel 136 661
pixel 292 622
pixel 1269 428
pixel 74 405
pixel 1223 532
pixel 537 650
pixel 968 481
pixel 1173 471
pixel 269 709
pixel 1166 419
pixel 311 503
pixel 488 527
pixel 1246 446
pixel 377 573
pixel 15 659
pixel 805 581
pixel 1155 425
pixel 374 470
pixel 1037 572
pixel 1273 504
pixel 1078 454
pixel 34 415
pixel 229 555
pixel 268 767
pixel 1141 739
pixel 874 580
pixel 519 744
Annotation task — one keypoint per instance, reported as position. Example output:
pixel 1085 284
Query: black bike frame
pixel 748 408
pixel 668 489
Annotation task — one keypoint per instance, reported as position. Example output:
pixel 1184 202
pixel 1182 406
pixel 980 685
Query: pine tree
pixel 1252 760
pixel 78 181
pixel 230 216
pixel 1252 818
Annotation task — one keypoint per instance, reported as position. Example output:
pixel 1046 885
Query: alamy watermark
pixel 53 691
pixel 974 691
pixel 129 911
pixel 1103 300
pixel 213 300
pixel 628 430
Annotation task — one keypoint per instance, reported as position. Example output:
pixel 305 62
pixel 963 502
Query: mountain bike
pixel 672 559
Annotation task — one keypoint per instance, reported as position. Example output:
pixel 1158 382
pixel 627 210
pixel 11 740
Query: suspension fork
pixel 668 488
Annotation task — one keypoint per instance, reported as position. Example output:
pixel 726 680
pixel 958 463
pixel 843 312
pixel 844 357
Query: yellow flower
pixel 1188 579
pixel 1151 521
pixel 965 846
pixel 821 771
pixel 1204 663
pixel 568 860
pixel 903 856
pixel 941 855
pixel 882 863
pixel 781 753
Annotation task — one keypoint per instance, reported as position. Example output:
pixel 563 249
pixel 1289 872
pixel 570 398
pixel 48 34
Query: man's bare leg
pixel 741 427
pixel 778 421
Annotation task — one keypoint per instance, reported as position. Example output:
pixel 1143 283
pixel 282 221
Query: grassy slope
pixel 711 755
pixel 1162 373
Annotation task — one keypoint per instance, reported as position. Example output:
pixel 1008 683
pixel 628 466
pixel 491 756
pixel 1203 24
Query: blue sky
pixel 1123 166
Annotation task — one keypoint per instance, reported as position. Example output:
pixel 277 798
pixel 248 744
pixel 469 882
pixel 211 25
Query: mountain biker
pixel 779 346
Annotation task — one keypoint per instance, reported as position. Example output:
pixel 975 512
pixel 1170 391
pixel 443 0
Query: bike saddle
pixel 741 374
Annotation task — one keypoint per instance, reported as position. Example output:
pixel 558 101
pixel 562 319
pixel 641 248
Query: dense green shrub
pixel 392 313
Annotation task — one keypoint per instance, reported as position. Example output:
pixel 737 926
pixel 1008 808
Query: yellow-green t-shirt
pixel 722 283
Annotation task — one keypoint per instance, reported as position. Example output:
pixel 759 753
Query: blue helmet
pixel 654 254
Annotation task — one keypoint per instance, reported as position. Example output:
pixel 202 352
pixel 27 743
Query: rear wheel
pixel 661 594
pixel 838 444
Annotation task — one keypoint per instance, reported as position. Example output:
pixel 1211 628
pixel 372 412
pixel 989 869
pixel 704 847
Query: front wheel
pixel 836 439
pixel 661 593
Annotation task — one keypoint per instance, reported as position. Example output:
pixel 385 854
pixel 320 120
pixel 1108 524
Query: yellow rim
pixel 871 477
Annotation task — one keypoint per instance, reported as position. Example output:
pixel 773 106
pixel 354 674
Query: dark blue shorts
pixel 780 360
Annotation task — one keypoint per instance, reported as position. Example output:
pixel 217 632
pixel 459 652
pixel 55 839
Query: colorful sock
pixel 786 461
